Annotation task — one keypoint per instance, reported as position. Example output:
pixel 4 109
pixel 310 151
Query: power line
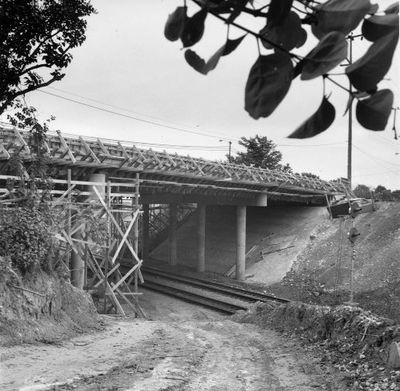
pixel 210 148
pixel 376 157
pixel 124 109
pixel 309 145
pixel 130 116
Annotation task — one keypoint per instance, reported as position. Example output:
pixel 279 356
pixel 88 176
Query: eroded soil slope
pixel 327 260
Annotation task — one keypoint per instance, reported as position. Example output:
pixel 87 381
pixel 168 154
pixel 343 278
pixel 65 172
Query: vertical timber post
pixel 136 228
pixel 173 225
pixel 69 248
pixel 107 196
pixel 240 242
pixel 145 232
pixel 201 237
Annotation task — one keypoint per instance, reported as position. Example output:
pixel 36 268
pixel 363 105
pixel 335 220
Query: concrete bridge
pixel 163 178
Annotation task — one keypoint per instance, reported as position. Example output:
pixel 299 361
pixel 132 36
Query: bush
pixel 25 238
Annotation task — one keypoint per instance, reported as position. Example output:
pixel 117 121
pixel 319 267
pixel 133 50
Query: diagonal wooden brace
pixel 125 237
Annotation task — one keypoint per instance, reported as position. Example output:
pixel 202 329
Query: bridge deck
pixel 160 171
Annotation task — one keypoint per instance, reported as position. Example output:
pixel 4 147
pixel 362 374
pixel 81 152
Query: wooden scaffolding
pixel 97 223
pixel 111 270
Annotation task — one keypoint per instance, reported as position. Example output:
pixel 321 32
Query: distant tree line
pixel 380 193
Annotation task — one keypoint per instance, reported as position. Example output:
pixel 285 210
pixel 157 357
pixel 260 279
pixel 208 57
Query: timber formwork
pixel 162 172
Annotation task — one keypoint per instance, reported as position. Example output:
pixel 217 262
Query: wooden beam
pixel 65 145
pixel 89 150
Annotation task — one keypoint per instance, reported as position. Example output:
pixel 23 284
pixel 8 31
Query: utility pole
pixel 229 149
pixel 350 127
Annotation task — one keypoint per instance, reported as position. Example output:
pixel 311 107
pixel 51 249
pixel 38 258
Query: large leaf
pixel 232 44
pixel 195 61
pixel 175 24
pixel 373 112
pixel 278 11
pixel 339 15
pixel 289 34
pixel 369 70
pixel 194 28
pixel 377 26
pixel 268 83
pixel 330 52
pixel 318 122
pixel 392 9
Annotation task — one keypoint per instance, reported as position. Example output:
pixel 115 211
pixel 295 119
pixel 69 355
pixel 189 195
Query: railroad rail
pixel 229 298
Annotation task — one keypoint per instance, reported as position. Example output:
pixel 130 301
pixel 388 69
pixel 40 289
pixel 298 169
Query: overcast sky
pixel 128 68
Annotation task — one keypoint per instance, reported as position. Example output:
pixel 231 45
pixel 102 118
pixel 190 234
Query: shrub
pixel 25 238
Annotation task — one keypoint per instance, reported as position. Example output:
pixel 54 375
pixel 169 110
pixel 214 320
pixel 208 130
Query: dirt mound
pixel 356 341
pixel 42 307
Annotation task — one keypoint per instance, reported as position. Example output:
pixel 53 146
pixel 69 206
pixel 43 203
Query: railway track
pixel 215 295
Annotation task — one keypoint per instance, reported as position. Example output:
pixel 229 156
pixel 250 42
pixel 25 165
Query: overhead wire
pixel 210 148
pixel 127 110
pixel 151 122
pixel 376 157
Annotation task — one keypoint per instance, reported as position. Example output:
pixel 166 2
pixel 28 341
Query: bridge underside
pixel 162 178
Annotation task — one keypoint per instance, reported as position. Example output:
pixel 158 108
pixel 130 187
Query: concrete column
pixel 241 243
pixel 145 232
pixel 173 225
pixel 101 187
pixel 201 237
pixel 77 266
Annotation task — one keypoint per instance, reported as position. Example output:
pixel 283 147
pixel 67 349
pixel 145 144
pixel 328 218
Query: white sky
pixel 127 66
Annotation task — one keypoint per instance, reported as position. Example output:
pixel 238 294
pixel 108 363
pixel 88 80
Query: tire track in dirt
pixel 211 355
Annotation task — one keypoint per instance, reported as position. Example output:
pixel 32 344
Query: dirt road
pixel 143 355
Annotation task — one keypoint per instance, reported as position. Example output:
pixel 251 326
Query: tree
pixel 332 22
pixel 383 194
pixel 310 175
pixel 260 152
pixel 36 40
pixel 396 195
pixel 362 191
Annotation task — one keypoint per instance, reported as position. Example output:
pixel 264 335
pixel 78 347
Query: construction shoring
pixel 95 153
pixel 120 211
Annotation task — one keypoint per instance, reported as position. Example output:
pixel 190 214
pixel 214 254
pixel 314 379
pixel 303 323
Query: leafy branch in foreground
pixel 36 41
pixel 287 27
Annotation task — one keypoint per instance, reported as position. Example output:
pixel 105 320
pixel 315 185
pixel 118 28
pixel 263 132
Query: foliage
pixel 36 42
pixel 362 191
pixel 383 194
pixel 287 27
pixel 36 176
pixel 260 152
pixel 25 238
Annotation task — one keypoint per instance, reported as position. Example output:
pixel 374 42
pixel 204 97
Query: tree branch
pixel 245 29
pixel 49 37
pixel 8 101
pixel 339 85
pixel 37 66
